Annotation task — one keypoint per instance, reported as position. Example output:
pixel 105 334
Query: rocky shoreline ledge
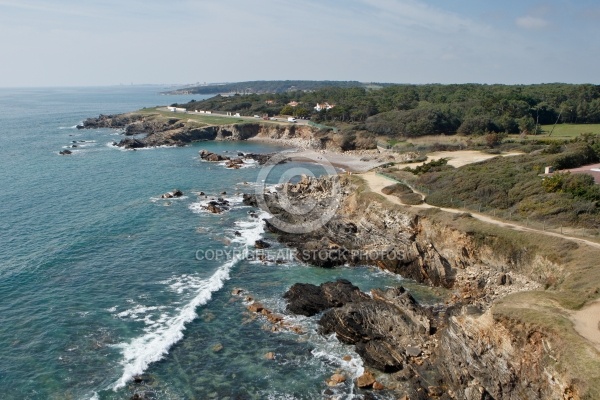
pixel 151 131
pixel 471 346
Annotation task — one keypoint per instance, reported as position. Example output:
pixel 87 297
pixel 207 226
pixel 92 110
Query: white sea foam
pixel 161 334
pixel 135 311
pixel 112 146
pixel 155 199
pixel 155 344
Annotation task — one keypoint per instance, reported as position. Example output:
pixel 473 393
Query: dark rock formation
pixel 169 195
pixel 131 144
pixel 111 121
pixel 340 241
pixel 217 206
pixel 210 156
pixel 261 244
pixel 381 328
pixel 249 200
pixel 65 152
pixel 307 299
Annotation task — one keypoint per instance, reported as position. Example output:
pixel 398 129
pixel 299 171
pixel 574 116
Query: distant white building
pixel 323 106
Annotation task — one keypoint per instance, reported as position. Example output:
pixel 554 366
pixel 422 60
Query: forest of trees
pixel 416 110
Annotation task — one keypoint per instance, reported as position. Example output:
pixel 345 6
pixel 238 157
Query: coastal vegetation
pixel 516 187
pixel 405 111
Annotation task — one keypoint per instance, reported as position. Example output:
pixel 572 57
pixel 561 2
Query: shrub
pixel 428 166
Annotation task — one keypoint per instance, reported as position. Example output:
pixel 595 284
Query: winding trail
pixel 586 321
pixel 377 182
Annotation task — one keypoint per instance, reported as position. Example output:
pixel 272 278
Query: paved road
pixel 279 119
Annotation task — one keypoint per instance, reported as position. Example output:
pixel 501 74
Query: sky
pixel 111 42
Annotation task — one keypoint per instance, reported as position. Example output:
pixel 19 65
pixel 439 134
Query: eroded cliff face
pixel 151 132
pixel 465 349
pixel 486 356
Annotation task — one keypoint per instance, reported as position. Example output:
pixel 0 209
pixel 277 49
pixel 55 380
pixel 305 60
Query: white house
pixel 324 106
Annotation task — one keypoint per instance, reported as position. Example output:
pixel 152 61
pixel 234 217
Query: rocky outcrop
pixel 381 327
pixel 234 163
pixel 462 348
pixel 217 206
pixel 369 237
pixel 210 156
pixel 160 131
pixel 119 121
pixel 173 194
pixel 306 299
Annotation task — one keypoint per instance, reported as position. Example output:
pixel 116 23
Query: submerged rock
pixel 261 244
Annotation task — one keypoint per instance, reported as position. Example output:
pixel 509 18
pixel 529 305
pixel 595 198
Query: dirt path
pixel 377 182
pixel 587 322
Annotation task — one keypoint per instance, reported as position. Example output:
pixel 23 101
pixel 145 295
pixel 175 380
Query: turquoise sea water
pixel 100 280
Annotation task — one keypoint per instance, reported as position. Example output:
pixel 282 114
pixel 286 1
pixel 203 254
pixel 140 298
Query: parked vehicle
pixel 291 119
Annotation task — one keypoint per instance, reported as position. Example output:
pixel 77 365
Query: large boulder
pixel 307 299
pixel 210 156
pixel 173 194
pixel 381 327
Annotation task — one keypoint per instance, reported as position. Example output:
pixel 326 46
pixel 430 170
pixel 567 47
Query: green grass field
pixel 570 130
pixel 200 118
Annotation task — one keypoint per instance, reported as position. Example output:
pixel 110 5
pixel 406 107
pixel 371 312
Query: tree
pixel 526 125
pixel 287 110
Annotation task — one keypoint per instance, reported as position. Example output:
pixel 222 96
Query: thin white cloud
pixel 529 22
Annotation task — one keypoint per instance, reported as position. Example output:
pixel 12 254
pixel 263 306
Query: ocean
pixel 108 291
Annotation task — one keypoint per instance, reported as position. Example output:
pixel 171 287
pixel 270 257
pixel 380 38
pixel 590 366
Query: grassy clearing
pixel 570 130
pixel 199 118
pixel 562 132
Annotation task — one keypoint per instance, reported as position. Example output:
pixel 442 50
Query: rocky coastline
pixel 148 130
pixel 483 341
pixel 461 348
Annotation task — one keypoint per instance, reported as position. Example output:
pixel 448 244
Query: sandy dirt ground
pixel 347 162
pixel 587 322
pixel 460 158
pixel 363 161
